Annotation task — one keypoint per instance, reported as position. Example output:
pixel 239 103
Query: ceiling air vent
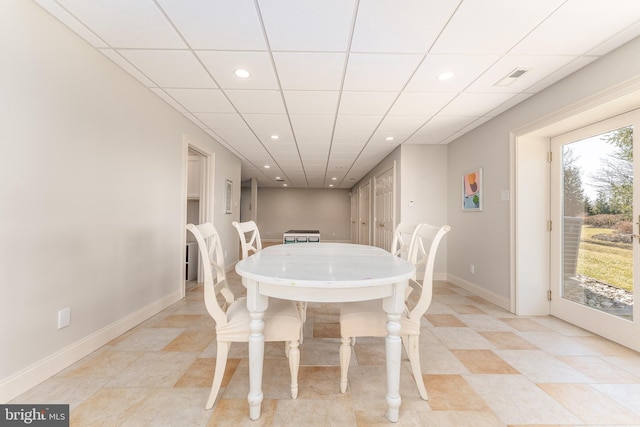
pixel 280 180
pixel 511 77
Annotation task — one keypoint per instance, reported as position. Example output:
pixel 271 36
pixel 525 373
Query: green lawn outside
pixel 607 262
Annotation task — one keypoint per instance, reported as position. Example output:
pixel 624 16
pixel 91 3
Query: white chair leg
pixel 294 365
pixel 414 357
pixel 345 358
pixel 221 363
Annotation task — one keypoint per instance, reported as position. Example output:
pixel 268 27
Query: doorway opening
pixel 198 200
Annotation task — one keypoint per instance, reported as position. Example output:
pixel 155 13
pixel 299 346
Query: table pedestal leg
pixel 394 352
pixel 256 359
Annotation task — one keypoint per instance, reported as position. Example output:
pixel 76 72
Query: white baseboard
pixel 18 383
pixel 498 300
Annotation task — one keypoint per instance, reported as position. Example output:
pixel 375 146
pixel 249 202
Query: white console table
pixel 301 236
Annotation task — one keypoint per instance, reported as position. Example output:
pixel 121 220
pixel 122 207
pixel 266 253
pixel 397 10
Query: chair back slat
pixel 422 255
pixel 215 281
pixel 403 237
pixel 248 244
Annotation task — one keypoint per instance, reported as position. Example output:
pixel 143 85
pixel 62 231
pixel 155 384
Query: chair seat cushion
pixel 281 322
pixel 368 319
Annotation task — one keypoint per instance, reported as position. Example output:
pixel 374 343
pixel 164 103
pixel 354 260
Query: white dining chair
pixel 250 241
pixel 281 319
pixel 368 319
pixel 403 236
pixel 250 244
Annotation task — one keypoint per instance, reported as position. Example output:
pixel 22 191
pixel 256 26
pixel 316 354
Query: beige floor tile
pixel 484 418
pixel 235 413
pixel 314 413
pixel 599 370
pixel 445 320
pixel 507 340
pixel 540 367
pixel 462 338
pixel 515 400
pixel 191 340
pixel 483 362
pixel 466 309
pixel 524 324
pixel 590 405
pixel 627 395
pixel 326 330
pixel 452 393
pixel 161 369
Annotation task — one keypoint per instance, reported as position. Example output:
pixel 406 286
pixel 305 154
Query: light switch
pixel 504 195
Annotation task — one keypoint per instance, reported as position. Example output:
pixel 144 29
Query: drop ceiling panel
pixel 202 100
pixel 320 123
pixel 474 104
pixel 223 121
pixel 222 65
pixel 367 124
pixel 170 68
pixel 492 26
pixel 408 26
pixel 118 23
pixel 311 102
pixel 274 123
pixel 310 71
pixel 308 25
pixel 538 67
pixel 356 138
pixel 392 72
pixel 396 126
pixel 465 68
pixel 582 24
pixel 367 103
pixel 217 24
pixel 257 101
pixel 421 103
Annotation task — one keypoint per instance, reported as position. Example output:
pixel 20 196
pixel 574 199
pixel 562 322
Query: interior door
pixel 364 215
pixel 594 228
pixel 383 207
pixel 354 217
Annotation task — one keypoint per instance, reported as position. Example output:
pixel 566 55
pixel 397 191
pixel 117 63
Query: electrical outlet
pixel 472 269
pixel 64 318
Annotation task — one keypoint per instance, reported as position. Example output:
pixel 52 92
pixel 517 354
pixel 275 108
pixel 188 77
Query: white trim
pixel 33 375
pixel 500 301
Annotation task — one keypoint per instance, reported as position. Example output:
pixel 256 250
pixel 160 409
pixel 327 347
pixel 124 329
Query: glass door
pixel 595 227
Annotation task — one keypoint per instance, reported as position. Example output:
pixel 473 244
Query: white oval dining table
pixel 325 272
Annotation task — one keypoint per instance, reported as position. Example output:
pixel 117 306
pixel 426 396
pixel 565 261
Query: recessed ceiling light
pixel 284 185
pixel 445 76
pixel 267 166
pixel 277 177
pixel 275 137
pixel 334 178
pixel 330 185
pixel 389 138
pixel 243 74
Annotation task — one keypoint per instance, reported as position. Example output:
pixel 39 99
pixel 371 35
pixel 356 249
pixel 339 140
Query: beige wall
pixel 484 238
pixel 93 190
pixel 282 209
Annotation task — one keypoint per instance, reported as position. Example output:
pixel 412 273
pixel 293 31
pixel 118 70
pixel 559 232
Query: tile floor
pixel 482 366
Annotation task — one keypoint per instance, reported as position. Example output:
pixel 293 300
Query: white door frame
pixel 206 193
pixel 529 179
pixel 384 226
